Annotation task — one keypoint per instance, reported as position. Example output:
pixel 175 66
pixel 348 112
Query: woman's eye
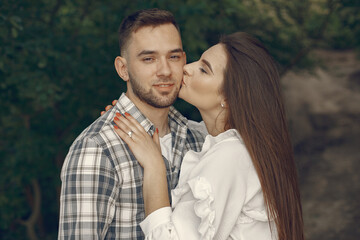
pixel 203 70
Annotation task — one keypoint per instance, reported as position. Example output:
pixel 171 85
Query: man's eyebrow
pixel 176 50
pixel 145 52
pixel 207 64
pixel 148 52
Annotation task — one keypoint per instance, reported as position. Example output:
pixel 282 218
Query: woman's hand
pixel 145 148
pixel 148 153
pixel 108 107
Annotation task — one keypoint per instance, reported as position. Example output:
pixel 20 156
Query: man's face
pixel 155 61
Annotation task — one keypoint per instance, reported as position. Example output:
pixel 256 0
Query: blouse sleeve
pixel 208 204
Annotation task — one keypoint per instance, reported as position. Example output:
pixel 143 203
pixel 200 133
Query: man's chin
pixel 168 96
pixel 168 102
pixel 163 101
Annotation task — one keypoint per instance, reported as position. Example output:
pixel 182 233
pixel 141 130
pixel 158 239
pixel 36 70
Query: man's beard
pixel 149 97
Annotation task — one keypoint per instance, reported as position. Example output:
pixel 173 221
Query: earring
pixel 222 105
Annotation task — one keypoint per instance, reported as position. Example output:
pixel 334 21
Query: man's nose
pixel 163 68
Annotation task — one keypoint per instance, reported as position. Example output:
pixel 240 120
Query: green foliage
pixel 57 74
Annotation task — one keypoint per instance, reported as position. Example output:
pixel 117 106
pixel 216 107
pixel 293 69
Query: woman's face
pixel 202 79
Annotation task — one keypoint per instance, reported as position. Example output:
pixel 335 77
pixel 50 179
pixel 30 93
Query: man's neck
pixel 158 116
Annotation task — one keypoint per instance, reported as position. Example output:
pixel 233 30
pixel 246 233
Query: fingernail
pixel 115 126
pixel 116 119
pixel 157 130
pixel 127 114
pixel 113 102
pixel 118 114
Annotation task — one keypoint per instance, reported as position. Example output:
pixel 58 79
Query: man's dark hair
pixel 147 17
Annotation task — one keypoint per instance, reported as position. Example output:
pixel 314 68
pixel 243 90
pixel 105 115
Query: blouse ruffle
pixel 253 215
pixel 202 191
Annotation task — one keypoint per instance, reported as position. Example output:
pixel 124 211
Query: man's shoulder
pixel 194 129
pixel 195 135
pixel 198 127
pixel 96 131
pixel 99 136
pixel 97 141
pixel 101 129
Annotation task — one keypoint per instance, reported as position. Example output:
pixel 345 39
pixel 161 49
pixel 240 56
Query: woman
pixel 243 184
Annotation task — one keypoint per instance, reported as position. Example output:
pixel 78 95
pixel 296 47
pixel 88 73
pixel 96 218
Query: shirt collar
pixel 176 116
pixel 124 104
pixel 176 119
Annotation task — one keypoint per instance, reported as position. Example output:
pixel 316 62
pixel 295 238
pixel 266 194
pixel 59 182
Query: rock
pixel 323 108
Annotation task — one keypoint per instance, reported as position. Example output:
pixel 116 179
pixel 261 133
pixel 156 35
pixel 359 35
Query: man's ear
pixel 121 68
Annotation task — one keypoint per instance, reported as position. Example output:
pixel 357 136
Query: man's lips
pixel 164 86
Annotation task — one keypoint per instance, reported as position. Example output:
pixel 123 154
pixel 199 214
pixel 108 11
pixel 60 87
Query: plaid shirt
pixel 101 193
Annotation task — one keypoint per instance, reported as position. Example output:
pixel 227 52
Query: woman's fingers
pixel 108 107
pixel 145 148
pixel 133 123
pixel 156 138
pixel 128 124
pixel 123 124
pixel 124 136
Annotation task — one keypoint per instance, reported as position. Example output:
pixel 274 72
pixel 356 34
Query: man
pixel 101 195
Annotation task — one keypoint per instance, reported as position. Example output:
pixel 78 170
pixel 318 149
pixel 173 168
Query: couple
pixel 238 182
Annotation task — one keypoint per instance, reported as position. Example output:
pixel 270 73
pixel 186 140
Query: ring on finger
pixel 130 133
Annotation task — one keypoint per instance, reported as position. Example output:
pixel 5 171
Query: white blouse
pixel 218 196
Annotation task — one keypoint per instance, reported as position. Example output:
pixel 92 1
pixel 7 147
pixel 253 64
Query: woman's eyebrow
pixel 207 64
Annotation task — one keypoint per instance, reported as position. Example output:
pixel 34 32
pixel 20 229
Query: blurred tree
pixel 57 59
pixel 56 74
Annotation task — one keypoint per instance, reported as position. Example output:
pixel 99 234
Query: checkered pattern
pixel 101 194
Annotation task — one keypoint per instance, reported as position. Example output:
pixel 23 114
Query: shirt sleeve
pixel 88 192
pixel 210 202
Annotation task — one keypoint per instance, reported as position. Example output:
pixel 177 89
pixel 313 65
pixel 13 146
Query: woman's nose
pixel 186 70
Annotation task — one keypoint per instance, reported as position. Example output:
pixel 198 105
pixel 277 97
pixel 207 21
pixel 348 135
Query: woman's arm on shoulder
pixel 209 202
pixel 147 151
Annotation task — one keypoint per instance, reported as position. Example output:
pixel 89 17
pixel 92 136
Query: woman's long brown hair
pixel 252 91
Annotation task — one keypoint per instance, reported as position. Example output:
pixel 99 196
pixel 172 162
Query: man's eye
pixel 148 59
pixel 175 57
